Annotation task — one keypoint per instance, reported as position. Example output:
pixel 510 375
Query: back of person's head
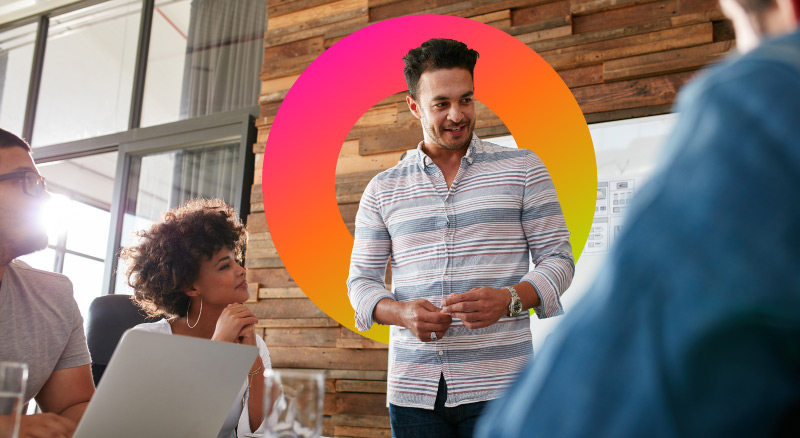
pixel 760 10
pixel 437 54
pixel 756 20
pixel 166 262
pixel 9 140
pixel 756 5
pixel 764 5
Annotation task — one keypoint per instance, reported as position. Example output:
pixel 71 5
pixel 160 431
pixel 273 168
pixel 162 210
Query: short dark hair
pixel 9 139
pixel 437 54
pixel 165 263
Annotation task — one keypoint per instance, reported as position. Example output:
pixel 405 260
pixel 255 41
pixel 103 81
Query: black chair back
pixel 109 317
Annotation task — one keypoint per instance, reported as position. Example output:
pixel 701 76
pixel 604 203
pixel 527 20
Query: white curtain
pixel 208 173
pixel 3 67
pixel 224 52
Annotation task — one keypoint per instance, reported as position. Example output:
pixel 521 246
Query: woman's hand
pixel 247 335
pixel 236 324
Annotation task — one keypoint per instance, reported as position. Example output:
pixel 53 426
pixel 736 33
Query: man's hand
pixel 479 307
pixel 423 318
pixel 46 426
pixel 232 323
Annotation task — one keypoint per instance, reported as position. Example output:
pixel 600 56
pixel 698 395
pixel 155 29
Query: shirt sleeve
pixel 372 248
pixel 548 239
pixel 75 353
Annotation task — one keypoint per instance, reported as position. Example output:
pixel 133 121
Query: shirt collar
pixel 425 160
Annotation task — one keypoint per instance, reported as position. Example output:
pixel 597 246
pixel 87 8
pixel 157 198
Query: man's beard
pixel 438 139
pixel 13 246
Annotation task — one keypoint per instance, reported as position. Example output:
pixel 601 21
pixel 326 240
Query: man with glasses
pixel 39 320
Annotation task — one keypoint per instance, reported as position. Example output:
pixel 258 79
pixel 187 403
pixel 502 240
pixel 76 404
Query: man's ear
pixel 792 9
pixel 412 105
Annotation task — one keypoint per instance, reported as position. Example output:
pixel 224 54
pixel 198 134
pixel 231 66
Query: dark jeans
pixel 441 422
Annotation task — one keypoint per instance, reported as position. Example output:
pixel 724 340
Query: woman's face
pixel 221 281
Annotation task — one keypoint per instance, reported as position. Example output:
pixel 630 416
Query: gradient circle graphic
pixel 366 67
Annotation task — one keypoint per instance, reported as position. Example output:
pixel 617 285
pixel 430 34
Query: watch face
pixel 517 307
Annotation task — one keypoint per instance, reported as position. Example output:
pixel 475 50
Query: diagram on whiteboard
pixel 612 203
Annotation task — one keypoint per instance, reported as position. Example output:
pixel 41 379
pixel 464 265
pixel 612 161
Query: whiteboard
pixel 627 152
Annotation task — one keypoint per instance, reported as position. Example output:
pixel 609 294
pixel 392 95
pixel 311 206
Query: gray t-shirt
pixel 40 324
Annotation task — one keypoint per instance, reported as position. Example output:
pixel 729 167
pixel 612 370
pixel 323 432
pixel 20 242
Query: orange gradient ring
pixel 364 68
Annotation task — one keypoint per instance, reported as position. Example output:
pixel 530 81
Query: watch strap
pixel 515 306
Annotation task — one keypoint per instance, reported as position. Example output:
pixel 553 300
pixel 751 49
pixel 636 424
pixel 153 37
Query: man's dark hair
pixel 437 54
pixel 8 139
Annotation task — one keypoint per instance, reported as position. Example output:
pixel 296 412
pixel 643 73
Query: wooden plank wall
pixel 620 58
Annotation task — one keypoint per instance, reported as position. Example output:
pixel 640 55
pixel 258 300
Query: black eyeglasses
pixel 32 183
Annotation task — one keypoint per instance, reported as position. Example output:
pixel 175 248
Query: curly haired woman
pixel 186 268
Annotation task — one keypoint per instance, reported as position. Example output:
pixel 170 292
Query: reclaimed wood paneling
pixel 541 13
pixel 669 61
pixel 302 337
pixel 658 90
pixel 593 6
pixel 297 322
pixel 361 432
pixel 318 15
pixel 621 59
pixel 616 18
pixel 328 358
pixel 608 50
pixel 282 308
pixel 266 293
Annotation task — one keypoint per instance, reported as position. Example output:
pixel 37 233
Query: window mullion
pixel 36 78
pixel 140 72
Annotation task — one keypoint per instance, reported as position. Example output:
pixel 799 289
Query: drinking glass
pixel 293 403
pixel 13 377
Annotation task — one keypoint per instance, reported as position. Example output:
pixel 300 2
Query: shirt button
pixel 441 352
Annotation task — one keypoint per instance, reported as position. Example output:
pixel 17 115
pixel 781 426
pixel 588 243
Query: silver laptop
pixel 159 385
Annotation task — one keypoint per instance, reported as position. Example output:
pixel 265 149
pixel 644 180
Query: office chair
pixel 109 317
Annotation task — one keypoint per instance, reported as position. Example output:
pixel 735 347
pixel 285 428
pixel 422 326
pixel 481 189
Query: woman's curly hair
pixel 166 262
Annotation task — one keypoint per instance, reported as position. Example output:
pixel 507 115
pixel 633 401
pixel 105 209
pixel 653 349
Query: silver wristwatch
pixel 515 307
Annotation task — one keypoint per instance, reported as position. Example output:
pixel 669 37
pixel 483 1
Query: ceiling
pixel 11 10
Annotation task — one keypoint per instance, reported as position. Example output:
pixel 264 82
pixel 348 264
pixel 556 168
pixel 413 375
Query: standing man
pixel 460 219
pixel 39 320
pixel 693 327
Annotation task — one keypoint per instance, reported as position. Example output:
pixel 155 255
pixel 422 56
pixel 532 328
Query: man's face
pixel 21 230
pixel 445 107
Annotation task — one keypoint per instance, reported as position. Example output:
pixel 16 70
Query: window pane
pixel 165 61
pixel 16 57
pixel 205 58
pixel 155 185
pixel 87 280
pixel 44 259
pixel 88 230
pixel 88 73
pixel 163 181
pixel 89 182
pixel 169 179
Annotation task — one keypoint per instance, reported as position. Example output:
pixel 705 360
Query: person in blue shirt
pixel 693 327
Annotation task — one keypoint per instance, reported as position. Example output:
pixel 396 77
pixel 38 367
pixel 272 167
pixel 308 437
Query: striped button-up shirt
pixel 500 209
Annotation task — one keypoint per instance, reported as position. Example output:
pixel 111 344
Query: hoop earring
pixel 198 315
